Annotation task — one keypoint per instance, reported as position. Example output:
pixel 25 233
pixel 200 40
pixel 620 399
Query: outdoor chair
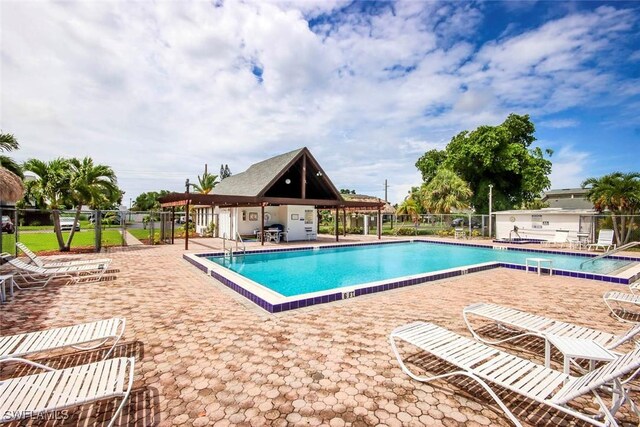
pixel 618 300
pixel 526 324
pixel 488 366
pixel 32 396
pixel 41 262
pixel 560 239
pixel 605 241
pixel 32 274
pixel 85 336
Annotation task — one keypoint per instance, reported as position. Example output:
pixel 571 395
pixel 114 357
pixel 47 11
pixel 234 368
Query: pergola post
pixel 173 224
pixel 344 222
pixel 379 224
pixel 186 226
pixel 262 224
pixel 337 213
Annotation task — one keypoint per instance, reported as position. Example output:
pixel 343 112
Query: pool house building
pixel 284 192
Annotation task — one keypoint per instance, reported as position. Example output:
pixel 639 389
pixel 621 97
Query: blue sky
pixel 158 89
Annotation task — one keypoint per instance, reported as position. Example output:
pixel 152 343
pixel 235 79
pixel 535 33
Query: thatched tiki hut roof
pixel 11 187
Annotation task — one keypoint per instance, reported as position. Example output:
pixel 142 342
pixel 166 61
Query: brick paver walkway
pixel 206 356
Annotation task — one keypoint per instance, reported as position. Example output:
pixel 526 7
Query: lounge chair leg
pixel 126 395
pixel 484 385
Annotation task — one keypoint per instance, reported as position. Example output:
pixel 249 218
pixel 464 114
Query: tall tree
pixel 149 201
pixel 446 192
pixel 620 194
pixel 52 187
pixel 206 182
pixel 499 155
pixel 8 142
pixel 92 185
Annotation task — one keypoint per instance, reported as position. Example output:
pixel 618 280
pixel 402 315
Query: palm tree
pixel 446 191
pixel 8 142
pixel 52 187
pixel 620 194
pixel 92 185
pixel 206 182
pixel 409 207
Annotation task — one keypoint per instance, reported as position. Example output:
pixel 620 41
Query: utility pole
pixel 385 190
pixel 490 210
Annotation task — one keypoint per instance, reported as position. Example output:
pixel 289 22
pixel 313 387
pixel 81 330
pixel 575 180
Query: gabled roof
pixel 253 181
pixel 281 176
pixel 293 178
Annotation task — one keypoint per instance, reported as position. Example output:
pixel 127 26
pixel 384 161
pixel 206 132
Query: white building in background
pixel 541 224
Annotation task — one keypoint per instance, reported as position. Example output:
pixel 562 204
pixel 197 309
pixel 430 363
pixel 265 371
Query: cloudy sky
pixel 156 89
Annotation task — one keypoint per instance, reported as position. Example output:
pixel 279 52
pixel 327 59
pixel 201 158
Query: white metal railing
pixel 611 252
pixel 239 239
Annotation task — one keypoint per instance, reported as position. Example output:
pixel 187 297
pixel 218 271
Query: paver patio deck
pixel 206 356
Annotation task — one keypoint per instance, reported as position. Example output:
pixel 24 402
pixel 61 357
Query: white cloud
pixel 158 89
pixel 560 123
pixel 570 167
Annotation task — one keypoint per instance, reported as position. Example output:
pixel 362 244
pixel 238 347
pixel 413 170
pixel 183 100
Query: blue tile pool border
pixel 393 283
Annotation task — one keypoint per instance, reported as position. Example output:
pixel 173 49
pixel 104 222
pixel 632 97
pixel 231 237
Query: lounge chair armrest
pixel 28 362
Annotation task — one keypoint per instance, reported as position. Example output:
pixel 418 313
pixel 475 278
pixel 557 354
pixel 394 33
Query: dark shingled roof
pixel 255 179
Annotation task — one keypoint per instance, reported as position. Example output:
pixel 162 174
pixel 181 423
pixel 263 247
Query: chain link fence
pixel 94 230
pixel 447 225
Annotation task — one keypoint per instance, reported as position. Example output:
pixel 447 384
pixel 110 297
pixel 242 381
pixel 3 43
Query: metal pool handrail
pixel 612 251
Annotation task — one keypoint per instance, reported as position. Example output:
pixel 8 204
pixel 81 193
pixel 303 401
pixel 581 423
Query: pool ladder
pixel 229 251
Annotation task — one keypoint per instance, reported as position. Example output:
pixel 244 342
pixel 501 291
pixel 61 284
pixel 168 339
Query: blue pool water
pixel 298 272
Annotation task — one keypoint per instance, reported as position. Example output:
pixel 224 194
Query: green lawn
pixel 141 233
pixel 47 241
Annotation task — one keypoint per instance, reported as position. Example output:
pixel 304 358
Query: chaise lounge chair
pixel 560 239
pixel 527 324
pixel 33 274
pixel 487 365
pixel 619 299
pixel 605 241
pixel 79 337
pixel 32 396
pixel 40 262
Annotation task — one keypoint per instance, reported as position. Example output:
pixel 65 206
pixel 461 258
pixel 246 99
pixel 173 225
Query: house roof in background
pixel 388 209
pixel 566 191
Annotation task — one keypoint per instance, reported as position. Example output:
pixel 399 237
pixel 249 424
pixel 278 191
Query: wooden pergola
pixel 226 201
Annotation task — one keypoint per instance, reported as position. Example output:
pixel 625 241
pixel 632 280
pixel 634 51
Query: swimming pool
pixel 279 278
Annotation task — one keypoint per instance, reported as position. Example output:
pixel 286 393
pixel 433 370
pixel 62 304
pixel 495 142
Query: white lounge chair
pixel 527 324
pixel 39 275
pixel 85 336
pixel 487 365
pixel 40 262
pixel 34 395
pixel 560 239
pixel 620 300
pixel 605 241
